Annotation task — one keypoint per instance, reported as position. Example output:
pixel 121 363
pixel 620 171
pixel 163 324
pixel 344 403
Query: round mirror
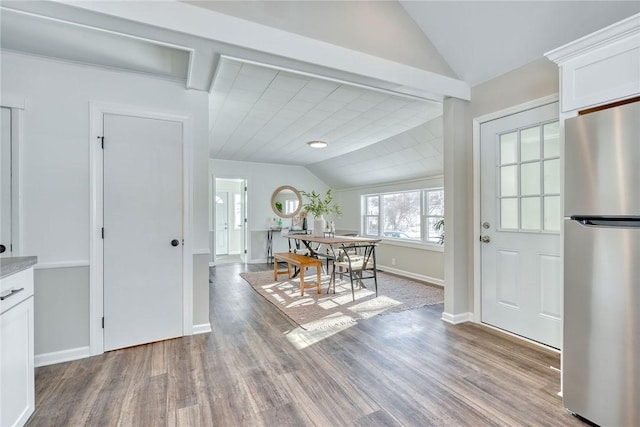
pixel 286 201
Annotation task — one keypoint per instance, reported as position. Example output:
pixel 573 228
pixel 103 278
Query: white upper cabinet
pixel 600 68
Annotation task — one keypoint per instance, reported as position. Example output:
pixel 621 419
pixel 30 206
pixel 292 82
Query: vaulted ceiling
pixel 263 114
pixel 481 40
pixel 266 109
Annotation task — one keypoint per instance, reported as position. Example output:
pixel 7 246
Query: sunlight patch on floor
pixel 302 339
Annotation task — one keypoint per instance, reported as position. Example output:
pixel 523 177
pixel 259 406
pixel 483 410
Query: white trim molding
pixel 456 319
pixel 600 68
pixel 12 100
pixel 16 104
pixel 68 355
pixel 410 275
pixel 617 31
pixel 477 122
pixel 61 264
pixel 201 251
pixel 96 254
pixel 203 328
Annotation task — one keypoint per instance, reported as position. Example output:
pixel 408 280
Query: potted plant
pixel 319 206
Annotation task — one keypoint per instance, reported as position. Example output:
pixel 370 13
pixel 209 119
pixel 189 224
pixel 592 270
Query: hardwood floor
pixel 257 369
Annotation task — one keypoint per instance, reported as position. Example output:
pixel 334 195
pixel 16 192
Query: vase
pixel 319 224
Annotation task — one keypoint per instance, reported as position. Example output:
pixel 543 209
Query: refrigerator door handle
pixel 608 221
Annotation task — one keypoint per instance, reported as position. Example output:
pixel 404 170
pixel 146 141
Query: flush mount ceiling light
pixel 317 144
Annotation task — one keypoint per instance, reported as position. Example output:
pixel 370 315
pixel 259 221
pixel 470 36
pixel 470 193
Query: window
pixel 433 213
pixel 408 215
pixel 237 211
pixel 529 168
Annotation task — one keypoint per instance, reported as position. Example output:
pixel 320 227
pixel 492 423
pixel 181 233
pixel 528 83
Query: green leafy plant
pixel 320 206
pixel 439 226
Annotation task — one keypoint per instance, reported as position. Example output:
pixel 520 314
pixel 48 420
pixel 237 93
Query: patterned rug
pixel 316 311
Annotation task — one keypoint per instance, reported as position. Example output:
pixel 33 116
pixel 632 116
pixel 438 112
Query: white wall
pixel 56 166
pixel 262 180
pixel 56 146
pixel 532 81
pixel 424 262
pixel 346 23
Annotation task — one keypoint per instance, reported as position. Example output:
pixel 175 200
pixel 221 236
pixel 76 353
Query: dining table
pixel 332 245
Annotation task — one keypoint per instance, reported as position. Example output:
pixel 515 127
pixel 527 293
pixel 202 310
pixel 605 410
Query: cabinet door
pixel 17 398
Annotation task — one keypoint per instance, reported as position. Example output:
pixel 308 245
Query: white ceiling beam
pixel 237 32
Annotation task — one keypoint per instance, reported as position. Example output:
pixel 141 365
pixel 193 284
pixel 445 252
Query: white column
pixel 458 291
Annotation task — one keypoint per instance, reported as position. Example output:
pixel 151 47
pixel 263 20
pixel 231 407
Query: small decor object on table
pixel 319 207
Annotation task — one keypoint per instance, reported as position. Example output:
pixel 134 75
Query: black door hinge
pixel 103 323
pixel 103 232
pixel 101 138
pixel 245 188
pixel 245 251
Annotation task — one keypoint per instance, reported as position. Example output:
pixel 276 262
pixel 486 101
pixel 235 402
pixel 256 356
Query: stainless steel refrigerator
pixel 601 335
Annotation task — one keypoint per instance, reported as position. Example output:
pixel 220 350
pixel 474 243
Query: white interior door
pixel 243 218
pixel 5 184
pixel 142 230
pixel 521 286
pixel 222 223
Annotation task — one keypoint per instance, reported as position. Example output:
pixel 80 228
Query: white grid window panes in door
pixel 529 178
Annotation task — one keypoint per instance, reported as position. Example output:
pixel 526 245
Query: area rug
pixel 321 311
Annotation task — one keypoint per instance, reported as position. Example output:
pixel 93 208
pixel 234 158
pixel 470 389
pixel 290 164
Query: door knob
pixel 2 248
pixel 485 239
pixel 486 225
pixel 175 242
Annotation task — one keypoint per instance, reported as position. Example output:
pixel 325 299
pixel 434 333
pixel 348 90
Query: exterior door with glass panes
pixel 521 286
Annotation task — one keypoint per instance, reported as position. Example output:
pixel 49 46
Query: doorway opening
pixel 228 218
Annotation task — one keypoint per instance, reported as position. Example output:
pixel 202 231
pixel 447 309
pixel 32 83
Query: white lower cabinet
pixel 17 391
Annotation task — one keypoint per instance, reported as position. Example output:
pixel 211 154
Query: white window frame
pixel 402 241
pixel 424 204
pixel 542 194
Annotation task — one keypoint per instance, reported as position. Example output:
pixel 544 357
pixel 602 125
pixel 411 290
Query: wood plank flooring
pixel 257 369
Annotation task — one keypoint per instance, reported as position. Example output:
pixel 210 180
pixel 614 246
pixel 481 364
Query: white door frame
pixel 96 254
pixel 477 122
pixel 214 188
pixel 17 104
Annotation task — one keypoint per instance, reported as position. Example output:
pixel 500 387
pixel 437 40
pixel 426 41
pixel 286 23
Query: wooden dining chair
pixel 359 262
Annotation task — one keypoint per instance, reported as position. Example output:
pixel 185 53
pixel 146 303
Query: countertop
pixel 9 266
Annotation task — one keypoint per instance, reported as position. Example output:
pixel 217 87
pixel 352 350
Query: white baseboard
pixel 62 356
pixel 203 328
pixel 201 251
pixel 456 319
pixel 410 275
